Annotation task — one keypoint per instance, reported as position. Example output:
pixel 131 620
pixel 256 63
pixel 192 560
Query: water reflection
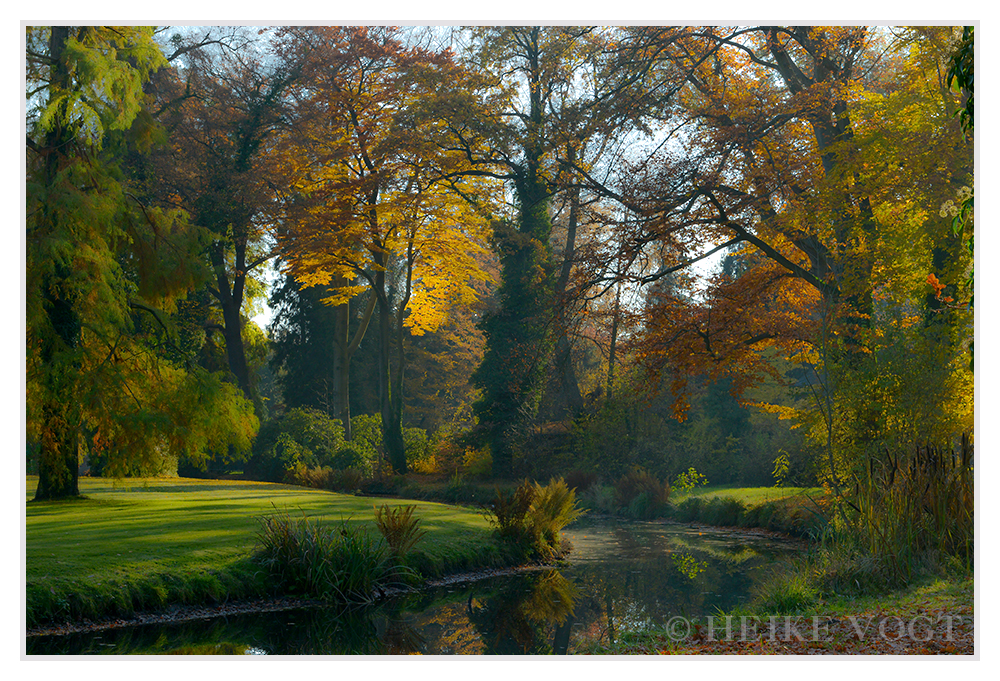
pixel 623 577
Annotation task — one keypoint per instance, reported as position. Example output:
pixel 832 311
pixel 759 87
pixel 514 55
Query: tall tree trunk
pixel 343 349
pixel 571 400
pixel 613 349
pixel 392 436
pixel 230 297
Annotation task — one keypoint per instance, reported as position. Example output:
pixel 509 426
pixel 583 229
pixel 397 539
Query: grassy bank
pixel 854 594
pixel 146 544
pixel 940 612
pixel 797 511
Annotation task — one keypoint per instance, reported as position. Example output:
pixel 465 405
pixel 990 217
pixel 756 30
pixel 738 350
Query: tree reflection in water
pixel 626 578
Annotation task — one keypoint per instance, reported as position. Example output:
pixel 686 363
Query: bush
pixel 349 457
pixel 638 483
pixel 417 446
pixel 300 438
pixel 688 480
pixel 785 593
pixel 318 478
pixel 581 481
pixel 477 462
pixel 721 511
pixel 689 510
pixel 554 507
pixel 509 511
pixel 599 498
pixel 347 480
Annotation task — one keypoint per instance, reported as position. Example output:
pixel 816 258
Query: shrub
pixel 301 437
pixel 688 480
pixel 785 593
pixel 581 481
pixel 554 507
pixel 399 527
pixel 599 498
pixel 477 462
pixel 318 478
pixel 637 482
pixel 509 511
pixel 366 430
pixel 387 483
pixel 348 479
pixel 349 457
pixel 689 510
pixel 642 506
pixel 417 446
pixel 722 511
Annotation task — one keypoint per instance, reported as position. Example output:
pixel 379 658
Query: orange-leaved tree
pixel 823 155
pixel 367 207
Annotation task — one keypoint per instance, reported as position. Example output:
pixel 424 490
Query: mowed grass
pixel 183 540
pixel 801 511
pixel 751 496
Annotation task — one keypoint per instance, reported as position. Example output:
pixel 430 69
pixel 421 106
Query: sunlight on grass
pixel 151 525
pixel 751 495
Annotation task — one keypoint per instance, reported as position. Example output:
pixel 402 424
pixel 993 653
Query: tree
pixel 369 208
pixel 222 108
pixel 797 152
pixel 519 334
pixel 548 110
pixel 104 271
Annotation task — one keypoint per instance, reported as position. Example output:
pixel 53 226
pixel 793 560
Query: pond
pixel 622 576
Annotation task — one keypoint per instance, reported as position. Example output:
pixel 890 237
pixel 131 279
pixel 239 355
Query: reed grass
pixel 908 503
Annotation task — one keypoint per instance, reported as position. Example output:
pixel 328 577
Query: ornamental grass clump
pixel 641 493
pixel 531 516
pixel 399 528
pixel 909 503
pixel 554 507
pixel 339 565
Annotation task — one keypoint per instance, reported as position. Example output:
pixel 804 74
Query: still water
pixel 621 577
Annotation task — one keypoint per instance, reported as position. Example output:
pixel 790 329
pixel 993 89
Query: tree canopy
pixel 505 225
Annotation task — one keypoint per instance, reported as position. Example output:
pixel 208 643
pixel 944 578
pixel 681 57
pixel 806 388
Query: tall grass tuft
pixel 508 513
pixel 342 565
pixel 399 528
pixel 531 516
pixel 553 508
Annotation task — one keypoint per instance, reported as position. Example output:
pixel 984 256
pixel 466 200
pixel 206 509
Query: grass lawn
pixel 156 538
pixel 751 496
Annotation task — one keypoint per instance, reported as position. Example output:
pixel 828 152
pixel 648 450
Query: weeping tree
pixel 104 272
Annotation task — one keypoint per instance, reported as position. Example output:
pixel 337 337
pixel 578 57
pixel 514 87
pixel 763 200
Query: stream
pixel 622 576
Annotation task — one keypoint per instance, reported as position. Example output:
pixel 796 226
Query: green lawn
pixel 152 536
pixel 751 496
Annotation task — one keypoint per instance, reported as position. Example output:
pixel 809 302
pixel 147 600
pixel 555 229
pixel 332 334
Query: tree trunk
pixel 343 350
pixel 230 299
pixel 613 349
pixel 571 401
pixel 392 436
